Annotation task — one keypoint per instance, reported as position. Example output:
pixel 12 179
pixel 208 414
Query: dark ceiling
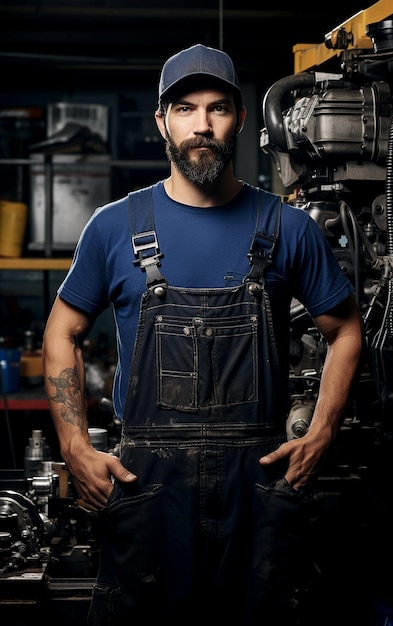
pixel 119 37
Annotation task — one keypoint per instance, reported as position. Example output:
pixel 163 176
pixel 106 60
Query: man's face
pixel 200 130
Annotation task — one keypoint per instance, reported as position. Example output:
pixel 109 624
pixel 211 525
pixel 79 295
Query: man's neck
pixel 224 189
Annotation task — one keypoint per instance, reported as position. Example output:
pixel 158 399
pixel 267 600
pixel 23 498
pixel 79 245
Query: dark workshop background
pixel 95 65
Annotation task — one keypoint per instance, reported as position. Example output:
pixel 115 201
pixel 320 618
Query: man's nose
pixel 202 124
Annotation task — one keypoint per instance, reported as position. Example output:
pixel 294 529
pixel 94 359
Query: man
pixel 206 512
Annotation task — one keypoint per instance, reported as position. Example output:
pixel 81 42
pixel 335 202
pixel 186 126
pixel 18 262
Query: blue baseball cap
pixel 199 60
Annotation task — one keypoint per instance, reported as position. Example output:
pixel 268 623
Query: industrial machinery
pixel 329 131
pixel 49 547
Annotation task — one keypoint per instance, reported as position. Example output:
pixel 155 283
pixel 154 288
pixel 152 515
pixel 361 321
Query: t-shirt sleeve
pixel 86 285
pixel 320 282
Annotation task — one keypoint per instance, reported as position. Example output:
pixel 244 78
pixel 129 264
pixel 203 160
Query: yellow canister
pixel 13 218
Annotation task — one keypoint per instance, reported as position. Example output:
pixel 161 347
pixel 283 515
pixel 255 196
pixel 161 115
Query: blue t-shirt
pixel 202 248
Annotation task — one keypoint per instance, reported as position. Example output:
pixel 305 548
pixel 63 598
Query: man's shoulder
pixel 271 197
pixel 143 192
pixel 120 206
pixel 292 218
pixel 258 192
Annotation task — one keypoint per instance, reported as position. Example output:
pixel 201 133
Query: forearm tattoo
pixel 68 394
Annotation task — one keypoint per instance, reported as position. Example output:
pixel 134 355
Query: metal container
pixel 77 184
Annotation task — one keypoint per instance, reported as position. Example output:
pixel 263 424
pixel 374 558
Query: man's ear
pixel 241 118
pixel 160 121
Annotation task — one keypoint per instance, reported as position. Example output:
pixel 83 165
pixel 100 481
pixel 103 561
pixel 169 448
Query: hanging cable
pixel 221 24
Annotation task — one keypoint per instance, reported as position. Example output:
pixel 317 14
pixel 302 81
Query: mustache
pixel 219 147
pixel 199 142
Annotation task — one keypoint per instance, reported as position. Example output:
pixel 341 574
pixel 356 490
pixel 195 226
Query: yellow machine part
pixel 349 34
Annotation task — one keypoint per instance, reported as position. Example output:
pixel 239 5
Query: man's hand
pixel 93 473
pixel 304 456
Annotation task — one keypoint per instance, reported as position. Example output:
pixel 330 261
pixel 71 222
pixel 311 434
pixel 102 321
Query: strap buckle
pixel 148 255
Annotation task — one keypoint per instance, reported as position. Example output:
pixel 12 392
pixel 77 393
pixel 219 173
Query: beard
pixel 207 165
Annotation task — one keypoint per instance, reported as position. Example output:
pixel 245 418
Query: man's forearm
pixel 64 381
pixel 337 379
pixel 66 397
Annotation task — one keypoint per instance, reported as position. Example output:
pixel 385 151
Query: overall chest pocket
pixel 206 362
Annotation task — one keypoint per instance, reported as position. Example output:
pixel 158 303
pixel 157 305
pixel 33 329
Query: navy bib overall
pixel 205 531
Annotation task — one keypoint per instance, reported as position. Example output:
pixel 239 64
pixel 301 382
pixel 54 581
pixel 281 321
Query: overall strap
pixel 144 237
pixel 267 230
